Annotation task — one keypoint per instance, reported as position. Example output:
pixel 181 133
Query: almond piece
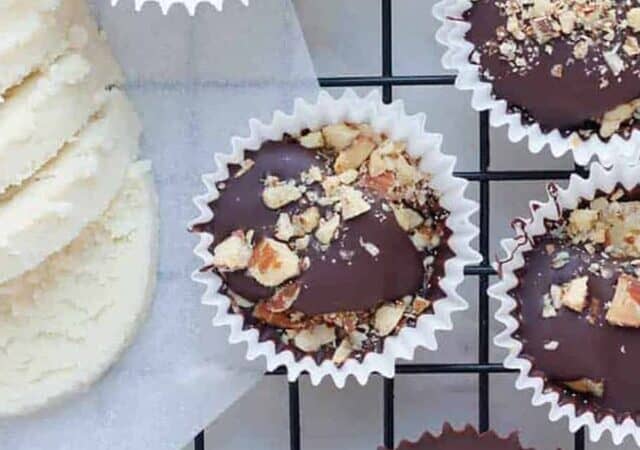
pixel 420 305
pixel 272 263
pixel 327 229
pixel 407 218
pixel 343 352
pixel 387 318
pixel 245 166
pixel 612 120
pixel 339 136
pixel 378 164
pixel 624 310
pixel 280 194
pixel 425 237
pixel 312 339
pixel 353 156
pixel 586 386
pixel 284 228
pixel 283 298
pixel 234 252
pixel 280 320
pixel 331 185
pixel 633 19
pixel 352 203
pixel 312 140
pixel 311 175
pixel 348 176
pixel 582 220
pixel 307 221
pixel 406 174
pixel 574 294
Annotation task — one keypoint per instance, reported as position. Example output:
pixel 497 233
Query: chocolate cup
pixel 466 439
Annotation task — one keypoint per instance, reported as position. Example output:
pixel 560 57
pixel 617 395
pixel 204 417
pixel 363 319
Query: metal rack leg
pixel 389 417
pixel 198 443
pixel 294 415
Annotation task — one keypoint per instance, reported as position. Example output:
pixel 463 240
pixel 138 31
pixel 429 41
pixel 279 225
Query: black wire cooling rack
pixel 484 176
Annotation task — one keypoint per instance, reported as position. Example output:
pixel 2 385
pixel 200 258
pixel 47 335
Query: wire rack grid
pixel 484 177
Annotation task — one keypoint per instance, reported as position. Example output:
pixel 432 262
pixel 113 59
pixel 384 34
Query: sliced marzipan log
pixel 33 35
pixel 52 207
pixel 65 322
pixel 50 107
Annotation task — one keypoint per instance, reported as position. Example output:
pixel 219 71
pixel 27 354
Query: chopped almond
pixel 352 203
pixel 283 298
pixel 312 339
pixel 573 294
pixel 272 263
pixel 587 386
pixel 387 318
pixel 624 310
pixel 407 218
pixel 312 140
pixel 339 136
pixel 327 229
pixel 355 155
pixel 234 252
pixel 307 221
pixel 281 194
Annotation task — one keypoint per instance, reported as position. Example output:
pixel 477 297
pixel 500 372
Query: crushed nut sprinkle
pixel 356 169
pixel 600 33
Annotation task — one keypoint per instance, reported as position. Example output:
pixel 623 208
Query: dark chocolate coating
pixel 466 439
pixel 585 350
pixel 569 103
pixel 329 285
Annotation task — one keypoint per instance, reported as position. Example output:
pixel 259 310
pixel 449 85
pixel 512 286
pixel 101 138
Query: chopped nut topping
pixel 283 298
pixel 234 252
pixel 387 318
pixel 272 263
pixel 407 218
pixel 307 221
pixel 573 294
pixel 245 166
pixel 280 194
pixel 551 346
pixel 633 19
pixel 343 352
pixel 312 140
pixel 327 229
pixel 354 155
pixel 419 305
pixel 586 386
pixel 339 136
pixel 624 310
pixel 284 228
pixel 312 339
pixel 352 203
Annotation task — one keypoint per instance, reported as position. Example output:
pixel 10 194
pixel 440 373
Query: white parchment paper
pixel 195 81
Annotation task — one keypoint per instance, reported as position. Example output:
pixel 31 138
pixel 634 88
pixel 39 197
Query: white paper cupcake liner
pixel 191 5
pixel 398 125
pixel 452 35
pixel 579 188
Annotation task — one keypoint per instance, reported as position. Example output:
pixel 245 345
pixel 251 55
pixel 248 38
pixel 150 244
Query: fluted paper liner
pixel 398 125
pixel 452 35
pixel 579 188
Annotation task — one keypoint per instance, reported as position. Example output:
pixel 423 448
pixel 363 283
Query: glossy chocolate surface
pixel 329 285
pixel 588 345
pixel 569 103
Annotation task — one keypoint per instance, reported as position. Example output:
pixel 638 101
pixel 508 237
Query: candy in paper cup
pixel 597 419
pixel 397 125
pixel 457 57
pixel 191 5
